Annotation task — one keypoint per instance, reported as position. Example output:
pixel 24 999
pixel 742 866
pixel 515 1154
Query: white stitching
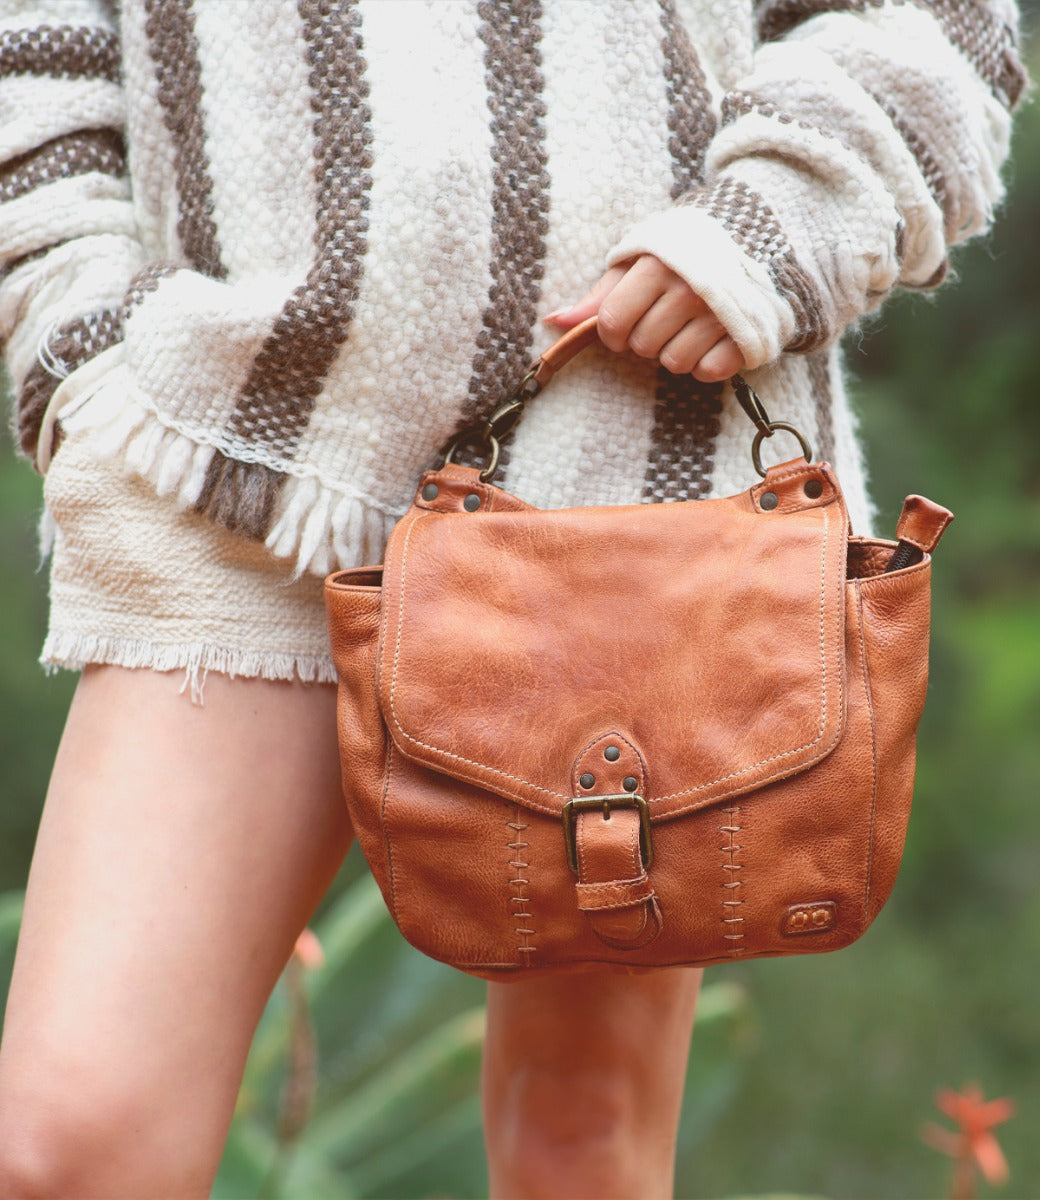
pixel 732 848
pixel 519 883
pixel 873 743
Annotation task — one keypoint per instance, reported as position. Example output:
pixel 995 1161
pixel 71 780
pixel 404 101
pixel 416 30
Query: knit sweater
pixel 275 253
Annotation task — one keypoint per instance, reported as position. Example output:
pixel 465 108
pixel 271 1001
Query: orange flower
pixel 308 949
pixel 975 1118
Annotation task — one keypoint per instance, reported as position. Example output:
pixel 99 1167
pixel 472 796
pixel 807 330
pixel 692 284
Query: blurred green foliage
pixel 810 1074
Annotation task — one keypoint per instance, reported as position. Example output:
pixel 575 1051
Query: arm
pixel 867 139
pixel 68 242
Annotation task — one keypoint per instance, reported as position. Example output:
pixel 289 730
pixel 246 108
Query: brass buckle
pixel 625 800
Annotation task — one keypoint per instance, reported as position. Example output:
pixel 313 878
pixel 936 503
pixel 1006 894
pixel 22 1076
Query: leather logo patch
pixel 810 918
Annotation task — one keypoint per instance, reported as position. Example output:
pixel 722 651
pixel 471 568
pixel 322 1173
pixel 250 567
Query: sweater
pixel 276 253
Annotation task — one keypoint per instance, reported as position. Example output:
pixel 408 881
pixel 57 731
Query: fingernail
pixel 559 312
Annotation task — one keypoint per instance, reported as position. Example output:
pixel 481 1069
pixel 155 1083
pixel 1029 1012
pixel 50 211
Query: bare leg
pixel 181 851
pixel 583 1081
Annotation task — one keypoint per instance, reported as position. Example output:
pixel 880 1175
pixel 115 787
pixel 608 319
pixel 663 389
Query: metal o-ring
pixel 488 472
pixel 756 445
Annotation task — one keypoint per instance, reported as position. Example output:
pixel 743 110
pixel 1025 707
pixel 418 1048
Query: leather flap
pixel 707 633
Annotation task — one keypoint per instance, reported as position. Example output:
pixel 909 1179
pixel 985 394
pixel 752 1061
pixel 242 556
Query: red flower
pixel 973 1145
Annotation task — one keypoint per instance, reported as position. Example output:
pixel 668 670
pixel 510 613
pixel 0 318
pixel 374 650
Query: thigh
pixel 182 848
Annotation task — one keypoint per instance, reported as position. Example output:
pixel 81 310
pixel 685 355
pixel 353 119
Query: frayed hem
pixel 317 525
pixel 73 652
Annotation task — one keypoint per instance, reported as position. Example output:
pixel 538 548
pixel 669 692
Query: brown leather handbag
pixel 641 735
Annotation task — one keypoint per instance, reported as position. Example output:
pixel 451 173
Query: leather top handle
pixel 560 353
pixel 501 421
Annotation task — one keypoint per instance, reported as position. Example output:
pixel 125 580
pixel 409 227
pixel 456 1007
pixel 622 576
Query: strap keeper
pixel 619 893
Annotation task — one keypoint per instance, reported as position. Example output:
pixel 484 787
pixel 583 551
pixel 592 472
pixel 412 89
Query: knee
pixel 54 1142
pixel 583 1139
pixel 37 1148
pixel 61 1138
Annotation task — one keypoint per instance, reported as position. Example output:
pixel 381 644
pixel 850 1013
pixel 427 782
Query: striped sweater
pixel 275 253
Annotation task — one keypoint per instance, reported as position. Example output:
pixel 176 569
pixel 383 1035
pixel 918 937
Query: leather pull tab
pixel 612 843
pixel 922 523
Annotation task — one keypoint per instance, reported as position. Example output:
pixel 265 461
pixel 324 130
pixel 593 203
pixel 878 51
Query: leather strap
pixel 560 353
pixel 613 890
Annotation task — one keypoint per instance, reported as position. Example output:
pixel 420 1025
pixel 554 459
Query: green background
pixel 809 1075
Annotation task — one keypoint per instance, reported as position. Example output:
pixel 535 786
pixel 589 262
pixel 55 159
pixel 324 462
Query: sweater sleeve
pixel 68 243
pixel 867 138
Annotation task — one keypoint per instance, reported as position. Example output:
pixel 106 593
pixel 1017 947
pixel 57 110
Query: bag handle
pixel 503 419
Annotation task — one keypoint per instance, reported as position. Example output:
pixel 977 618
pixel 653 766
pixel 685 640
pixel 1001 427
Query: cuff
pixel 739 290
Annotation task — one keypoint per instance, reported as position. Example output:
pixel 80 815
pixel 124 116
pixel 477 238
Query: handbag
pixel 643 735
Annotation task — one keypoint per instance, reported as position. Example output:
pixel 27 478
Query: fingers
pixel 645 307
pixel 652 299
pixel 721 362
pixel 567 318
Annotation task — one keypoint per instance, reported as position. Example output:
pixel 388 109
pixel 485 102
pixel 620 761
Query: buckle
pixel 625 800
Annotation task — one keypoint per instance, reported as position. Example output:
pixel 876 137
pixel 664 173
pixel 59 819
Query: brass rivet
pixel 472 502
pixel 813 488
pixel 587 780
pixel 431 491
pixel 769 501
pixel 612 754
pixel 630 783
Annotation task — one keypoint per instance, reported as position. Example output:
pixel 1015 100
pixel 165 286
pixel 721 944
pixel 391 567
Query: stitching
pixel 873 743
pixel 519 883
pixel 730 907
pixel 486 767
pixel 637 856
pixel 386 829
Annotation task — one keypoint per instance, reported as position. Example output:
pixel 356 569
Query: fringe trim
pixel 73 651
pixel 317 524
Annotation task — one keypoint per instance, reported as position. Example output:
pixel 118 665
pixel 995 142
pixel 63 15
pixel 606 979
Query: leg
pixel 583 1081
pixel 181 851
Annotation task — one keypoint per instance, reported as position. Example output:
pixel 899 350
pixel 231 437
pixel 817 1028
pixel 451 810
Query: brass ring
pixel 488 473
pixel 756 445
pixel 494 449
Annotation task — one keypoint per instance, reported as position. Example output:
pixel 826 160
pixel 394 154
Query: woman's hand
pixel 645 307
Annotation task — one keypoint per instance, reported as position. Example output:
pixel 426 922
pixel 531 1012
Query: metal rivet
pixel 769 500
pixel 612 754
pixel 472 502
pixel 431 491
pixel 587 780
pixel 813 488
pixel 630 783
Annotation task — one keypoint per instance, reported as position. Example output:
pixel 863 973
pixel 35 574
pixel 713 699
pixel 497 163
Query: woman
pixel 263 259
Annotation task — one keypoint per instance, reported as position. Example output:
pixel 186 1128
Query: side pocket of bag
pixel 352 603
pixel 894 622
